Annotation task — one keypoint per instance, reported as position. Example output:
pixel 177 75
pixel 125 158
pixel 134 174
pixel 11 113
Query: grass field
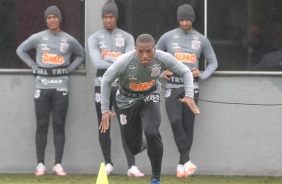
pixel 117 179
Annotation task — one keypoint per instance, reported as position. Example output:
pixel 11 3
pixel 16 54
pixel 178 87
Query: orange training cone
pixel 102 175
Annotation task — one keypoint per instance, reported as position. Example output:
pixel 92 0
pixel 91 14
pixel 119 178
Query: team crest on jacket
pixel 123 120
pixel 196 44
pixel 156 71
pixel 64 47
pixel 120 42
pixel 37 93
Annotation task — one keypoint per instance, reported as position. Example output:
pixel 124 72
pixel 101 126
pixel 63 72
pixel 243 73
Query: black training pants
pixel 144 116
pixel 182 121
pixel 47 101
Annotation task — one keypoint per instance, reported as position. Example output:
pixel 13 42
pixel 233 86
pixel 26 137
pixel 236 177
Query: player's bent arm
pixel 95 54
pixel 212 63
pixel 79 51
pixel 22 51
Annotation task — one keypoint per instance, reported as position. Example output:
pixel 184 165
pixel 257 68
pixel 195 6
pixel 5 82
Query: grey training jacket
pixel 134 77
pixel 53 57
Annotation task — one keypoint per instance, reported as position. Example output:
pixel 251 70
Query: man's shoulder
pixel 168 36
pixel 198 34
pixel 103 33
pixel 173 31
pixel 120 31
pixel 62 33
pixel 128 55
pixel 98 33
pixel 162 55
pixel 67 37
pixel 44 32
pixel 102 30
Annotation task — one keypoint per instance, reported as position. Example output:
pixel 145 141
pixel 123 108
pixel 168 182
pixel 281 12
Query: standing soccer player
pixel 186 45
pixel 105 46
pixel 138 97
pixel 54 49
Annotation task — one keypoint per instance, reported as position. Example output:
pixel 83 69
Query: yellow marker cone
pixel 102 175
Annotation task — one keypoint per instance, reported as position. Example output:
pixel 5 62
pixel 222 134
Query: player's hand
pixel 191 104
pixel 166 74
pixel 104 125
pixel 196 72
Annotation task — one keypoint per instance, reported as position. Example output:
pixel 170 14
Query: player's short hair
pixel 145 38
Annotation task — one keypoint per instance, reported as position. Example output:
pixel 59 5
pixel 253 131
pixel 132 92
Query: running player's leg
pixel 131 127
pixel 43 106
pixel 151 119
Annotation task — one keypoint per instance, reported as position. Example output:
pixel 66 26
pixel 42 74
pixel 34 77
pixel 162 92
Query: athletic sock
pixel 184 157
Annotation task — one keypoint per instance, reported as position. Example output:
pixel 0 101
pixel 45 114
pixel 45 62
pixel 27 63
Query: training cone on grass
pixel 102 175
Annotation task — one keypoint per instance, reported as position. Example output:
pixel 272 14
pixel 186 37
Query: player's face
pixel 109 21
pixel 53 23
pixel 186 25
pixel 145 52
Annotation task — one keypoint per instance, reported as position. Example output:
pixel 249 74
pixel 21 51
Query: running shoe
pixel 109 168
pixel 180 171
pixel 58 170
pixel 40 170
pixel 189 168
pixel 134 172
pixel 155 181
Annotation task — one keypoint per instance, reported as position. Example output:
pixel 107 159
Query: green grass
pixel 117 179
